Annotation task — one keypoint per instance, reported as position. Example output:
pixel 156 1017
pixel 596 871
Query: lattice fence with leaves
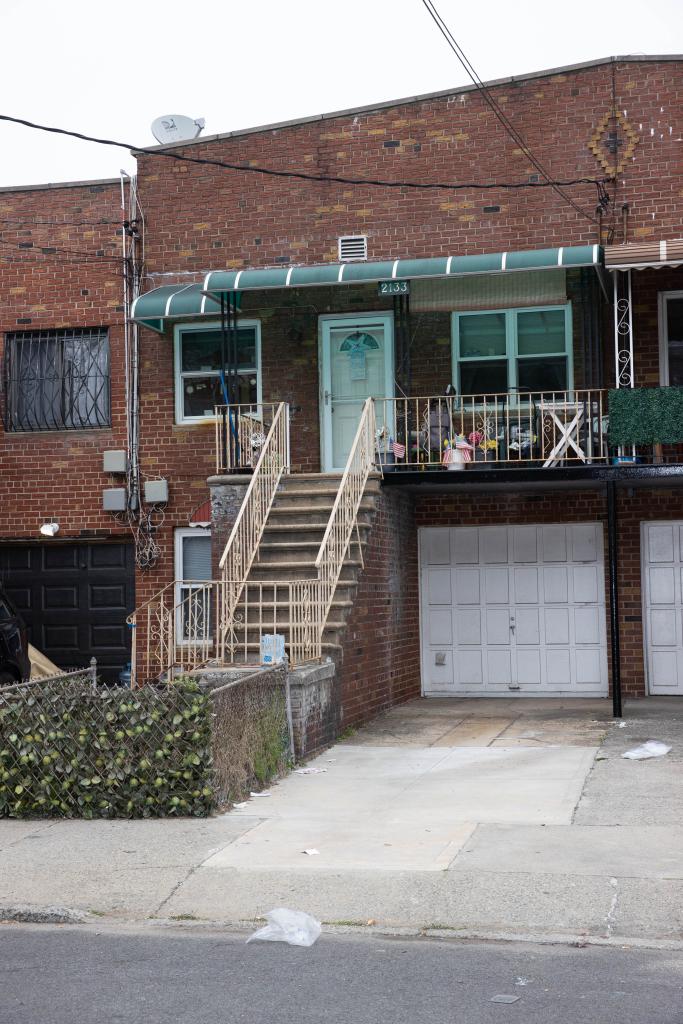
pixel 252 737
pixel 69 749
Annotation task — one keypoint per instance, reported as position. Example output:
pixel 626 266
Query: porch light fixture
pixel 50 529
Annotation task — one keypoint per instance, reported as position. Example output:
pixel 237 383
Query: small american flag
pixel 399 450
pixel 465 448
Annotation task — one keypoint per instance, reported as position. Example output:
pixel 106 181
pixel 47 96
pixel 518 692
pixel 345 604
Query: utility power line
pixel 502 117
pixel 303 175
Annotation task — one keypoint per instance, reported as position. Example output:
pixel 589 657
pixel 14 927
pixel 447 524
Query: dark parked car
pixel 14 660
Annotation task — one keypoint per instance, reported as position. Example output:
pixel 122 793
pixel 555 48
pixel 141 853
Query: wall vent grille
pixel 353 247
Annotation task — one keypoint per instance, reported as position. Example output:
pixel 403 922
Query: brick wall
pixel 60 267
pixel 381 661
pixel 220 218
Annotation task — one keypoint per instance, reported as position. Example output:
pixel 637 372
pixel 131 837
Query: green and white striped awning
pixel 173 301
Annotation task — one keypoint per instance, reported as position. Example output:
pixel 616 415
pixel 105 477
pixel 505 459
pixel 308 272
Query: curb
pixel 24 913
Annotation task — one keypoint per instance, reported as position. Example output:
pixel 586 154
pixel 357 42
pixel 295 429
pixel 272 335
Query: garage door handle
pixel 512 626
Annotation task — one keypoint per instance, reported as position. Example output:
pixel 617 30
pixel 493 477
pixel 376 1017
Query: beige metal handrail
pixel 288 608
pixel 241 432
pixel 245 537
pixel 545 428
pixel 344 515
pixel 173 631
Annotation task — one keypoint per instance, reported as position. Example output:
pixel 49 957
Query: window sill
pixel 62 431
pixel 207 421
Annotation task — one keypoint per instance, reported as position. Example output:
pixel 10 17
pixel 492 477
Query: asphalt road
pixel 59 975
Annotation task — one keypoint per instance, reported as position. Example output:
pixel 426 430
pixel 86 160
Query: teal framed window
pixel 513 350
pixel 198 386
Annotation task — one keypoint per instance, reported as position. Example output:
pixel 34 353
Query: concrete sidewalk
pixel 502 817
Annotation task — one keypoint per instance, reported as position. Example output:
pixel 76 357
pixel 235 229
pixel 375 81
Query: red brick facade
pixel 48 282
pixel 199 218
pixel 381 660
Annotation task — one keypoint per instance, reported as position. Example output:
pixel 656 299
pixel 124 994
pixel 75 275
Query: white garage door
pixel 663 598
pixel 513 610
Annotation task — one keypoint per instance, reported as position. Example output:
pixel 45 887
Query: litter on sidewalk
pixel 291 926
pixel 651 748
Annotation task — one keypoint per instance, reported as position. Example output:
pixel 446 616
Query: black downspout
pixel 233 390
pixel 587 341
pixel 614 597
pixel 597 308
pixel 225 411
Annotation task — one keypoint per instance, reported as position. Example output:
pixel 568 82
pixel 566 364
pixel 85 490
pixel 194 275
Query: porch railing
pixel 245 537
pixel 288 608
pixel 546 428
pixel 241 432
pixel 344 515
pixel 173 632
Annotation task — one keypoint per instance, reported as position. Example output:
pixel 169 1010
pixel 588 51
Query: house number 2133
pixel 393 287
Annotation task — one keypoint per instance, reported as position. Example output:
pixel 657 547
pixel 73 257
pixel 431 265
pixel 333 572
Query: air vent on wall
pixel 353 247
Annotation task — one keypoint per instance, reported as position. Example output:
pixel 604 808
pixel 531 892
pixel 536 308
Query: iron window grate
pixel 56 380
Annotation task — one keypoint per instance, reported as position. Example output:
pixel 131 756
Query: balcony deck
pixel 499 477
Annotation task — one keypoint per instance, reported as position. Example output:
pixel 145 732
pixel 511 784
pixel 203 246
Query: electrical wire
pixel 501 116
pixel 302 175
pixel 55 250
pixel 36 222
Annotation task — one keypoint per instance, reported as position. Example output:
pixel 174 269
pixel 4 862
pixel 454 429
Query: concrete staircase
pixel 289 547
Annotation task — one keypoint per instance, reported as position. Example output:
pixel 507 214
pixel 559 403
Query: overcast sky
pixel 109 70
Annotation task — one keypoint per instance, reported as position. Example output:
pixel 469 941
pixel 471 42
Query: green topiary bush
pixel 645 416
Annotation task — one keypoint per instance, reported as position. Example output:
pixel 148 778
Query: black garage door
pixel 74 599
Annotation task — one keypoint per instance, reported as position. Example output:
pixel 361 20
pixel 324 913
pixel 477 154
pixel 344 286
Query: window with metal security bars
pixel 57 380
pixel 353 247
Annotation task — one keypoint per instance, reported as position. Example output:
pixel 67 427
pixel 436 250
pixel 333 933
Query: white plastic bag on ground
pixel 651 748
pixel 292 926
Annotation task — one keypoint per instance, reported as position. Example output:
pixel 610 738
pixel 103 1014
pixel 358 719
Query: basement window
pixel 57 380
pixel 199 383
pixel 192 569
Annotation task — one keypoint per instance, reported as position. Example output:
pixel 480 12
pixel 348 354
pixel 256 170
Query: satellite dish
pixel 176 128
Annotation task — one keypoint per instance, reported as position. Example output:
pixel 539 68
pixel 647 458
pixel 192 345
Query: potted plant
pixel 457 452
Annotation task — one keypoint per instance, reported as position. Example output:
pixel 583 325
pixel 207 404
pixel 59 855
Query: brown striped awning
pixel 639 255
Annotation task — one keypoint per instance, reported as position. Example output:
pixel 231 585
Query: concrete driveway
pixel 489 818
pixel 408 791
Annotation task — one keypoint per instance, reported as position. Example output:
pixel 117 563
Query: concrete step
pixel 311 480
pixel 282 626
pixel 264 594
pixel 274 571
pixel 301 529
pixel 275 547
pixel 300 515
pixel 313 503
pixel 284 565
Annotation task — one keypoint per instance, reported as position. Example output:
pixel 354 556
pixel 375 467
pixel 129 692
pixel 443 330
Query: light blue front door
pixel 356 363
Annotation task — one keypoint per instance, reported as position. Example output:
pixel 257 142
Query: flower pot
pixel 456 460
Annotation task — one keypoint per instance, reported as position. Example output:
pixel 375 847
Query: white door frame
pixel 662 319
pixel 325 323
pixel 645 587
pixel 643 581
